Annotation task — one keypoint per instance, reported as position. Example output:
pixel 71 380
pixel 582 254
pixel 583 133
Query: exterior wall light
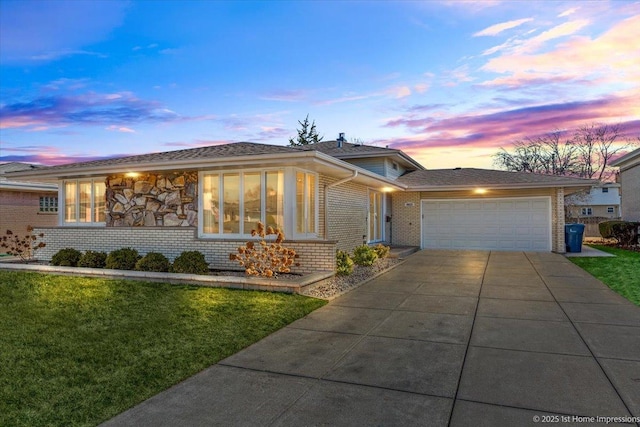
pixel 480 191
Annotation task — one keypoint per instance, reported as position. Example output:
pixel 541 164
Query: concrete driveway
pixel 460 338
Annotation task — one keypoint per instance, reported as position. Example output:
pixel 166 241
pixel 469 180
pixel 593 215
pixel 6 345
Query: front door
pixel 376 223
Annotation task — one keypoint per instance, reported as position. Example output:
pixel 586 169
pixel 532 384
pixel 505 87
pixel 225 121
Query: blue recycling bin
pixel 573 237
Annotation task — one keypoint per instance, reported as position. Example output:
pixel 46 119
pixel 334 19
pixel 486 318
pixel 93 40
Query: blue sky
pixel 449 82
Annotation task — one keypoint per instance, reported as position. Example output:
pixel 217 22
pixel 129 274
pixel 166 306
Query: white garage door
pixel 511 224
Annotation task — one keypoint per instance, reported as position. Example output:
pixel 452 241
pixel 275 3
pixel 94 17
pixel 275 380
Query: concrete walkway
pixel 457 338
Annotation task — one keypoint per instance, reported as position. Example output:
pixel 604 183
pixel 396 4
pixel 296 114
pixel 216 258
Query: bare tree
pixel 546 154
pixel 595 144
pixel 586 154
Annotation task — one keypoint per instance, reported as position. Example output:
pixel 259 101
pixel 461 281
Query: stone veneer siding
pixel 348 209
pixel 152 199
pixel 406 222
pixel 171 241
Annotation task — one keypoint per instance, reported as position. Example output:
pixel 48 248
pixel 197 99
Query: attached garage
pixel 501 224
pixel 481 209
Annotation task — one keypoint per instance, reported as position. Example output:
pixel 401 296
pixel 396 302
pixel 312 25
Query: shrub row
pixel 363 255
pixel 191 262
pixel 625 232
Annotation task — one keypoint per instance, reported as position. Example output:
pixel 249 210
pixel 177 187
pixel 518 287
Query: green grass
pixel 622 273
pixel 77 351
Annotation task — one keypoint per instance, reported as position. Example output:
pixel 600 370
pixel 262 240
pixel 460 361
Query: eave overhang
pixel 313 160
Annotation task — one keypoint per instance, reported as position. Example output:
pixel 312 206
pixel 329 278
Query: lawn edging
pixel 294 286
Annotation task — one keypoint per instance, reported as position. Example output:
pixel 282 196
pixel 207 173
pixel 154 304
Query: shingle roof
pixel 628 159
pixel 351 151
pixel 331 148
pixel 213 151
pixel 470 177
pixel 16 166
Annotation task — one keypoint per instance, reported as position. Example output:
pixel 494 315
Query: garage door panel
pixel 496 224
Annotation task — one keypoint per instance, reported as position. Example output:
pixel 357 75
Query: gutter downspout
pixel 326 199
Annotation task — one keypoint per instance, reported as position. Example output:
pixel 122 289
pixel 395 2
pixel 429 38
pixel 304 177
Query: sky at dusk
pixel 448 82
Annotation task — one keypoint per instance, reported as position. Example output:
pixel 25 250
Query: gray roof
pixel 627 158
pixel 331 148
pixel 16 166
pixel 213 151
pixel 470 178
pixel 351 151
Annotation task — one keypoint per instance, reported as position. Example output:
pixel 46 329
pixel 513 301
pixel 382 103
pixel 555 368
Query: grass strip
pixel 77 351
pixel 621 273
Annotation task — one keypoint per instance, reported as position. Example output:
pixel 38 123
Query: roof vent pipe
pixel 340 139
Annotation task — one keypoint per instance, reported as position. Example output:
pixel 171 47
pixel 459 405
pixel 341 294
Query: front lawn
pixel 622 273
pixel 77 351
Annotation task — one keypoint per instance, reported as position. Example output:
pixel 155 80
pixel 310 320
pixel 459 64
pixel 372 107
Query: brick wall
pixel 630 195
pixel 405 218
pixel 171 241
pixel 348 208
pixel 557 221
pixel 18 209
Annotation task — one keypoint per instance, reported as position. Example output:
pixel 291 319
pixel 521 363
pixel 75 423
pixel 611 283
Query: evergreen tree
pixel 307 134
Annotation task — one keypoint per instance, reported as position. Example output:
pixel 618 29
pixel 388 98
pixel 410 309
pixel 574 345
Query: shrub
pixel 23 247
pixel 344 263
pixel 264 259
pixel 364 255
pixel 190 262
pixel 67 257
pixel 92 259
pixel 153 261
pixel 382 251
pixel 606 228
pixel 626 233
pixel 122 259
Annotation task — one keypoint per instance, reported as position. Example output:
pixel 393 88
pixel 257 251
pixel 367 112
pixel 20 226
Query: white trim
pixel 62 202
pixel 241 173
pixel 316 200
pixel 547 198
pixel 382 215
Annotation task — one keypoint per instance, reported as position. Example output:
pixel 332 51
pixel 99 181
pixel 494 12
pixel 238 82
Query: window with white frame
pixel 48 204
pixel 305 203
pixel 234 202
pixel 84 201
pixel 587 211
pixel 610 209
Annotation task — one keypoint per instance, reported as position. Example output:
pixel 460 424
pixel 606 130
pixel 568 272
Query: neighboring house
pixel 629 178
pixel 602 201
pixel 25 203
pixel 327 196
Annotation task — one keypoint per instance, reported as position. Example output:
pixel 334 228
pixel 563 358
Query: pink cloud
pixel 123 129
pixel 285 95
pixel 49 155
pixel 612 57
pixel 492 130
pixel 498 28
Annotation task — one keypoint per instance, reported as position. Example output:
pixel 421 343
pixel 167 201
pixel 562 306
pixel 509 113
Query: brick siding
pixel 171 241
pixel 405 219
pixel 348 209
pixel 19 209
